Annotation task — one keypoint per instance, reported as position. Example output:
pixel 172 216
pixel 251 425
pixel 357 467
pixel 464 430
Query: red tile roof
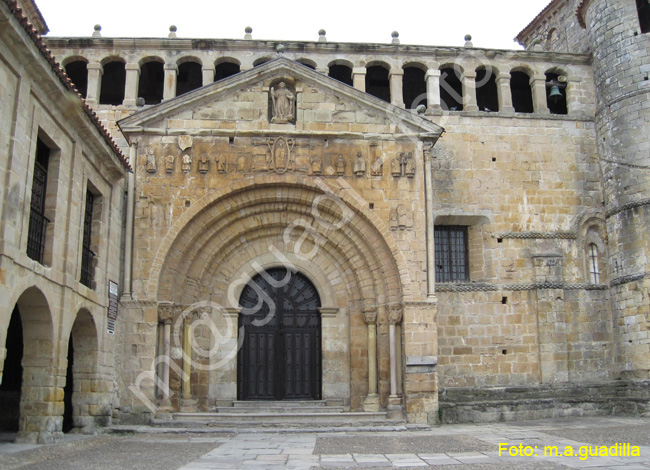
pixel 62 76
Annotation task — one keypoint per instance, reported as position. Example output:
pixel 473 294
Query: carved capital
pixel 370 315
pixel 395 314
pixel 165 312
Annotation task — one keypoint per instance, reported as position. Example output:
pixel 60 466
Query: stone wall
pixel 53 305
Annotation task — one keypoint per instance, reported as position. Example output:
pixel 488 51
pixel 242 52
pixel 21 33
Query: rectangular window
pixel 643 7
pixel 87 256
pixel 37 220
pixel 452 253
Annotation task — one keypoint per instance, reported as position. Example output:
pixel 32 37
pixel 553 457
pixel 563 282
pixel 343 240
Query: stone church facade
pixel 428 234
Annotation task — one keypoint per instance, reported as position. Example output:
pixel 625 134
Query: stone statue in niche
pixel 359 165
pixel 396 166
pixel 316 166
pixel 409 165
pixel 282 100
pixel 340 165
pixel 151 160
pixel 377 168
pixel 204 164
pixel 187 163
pixel 169 163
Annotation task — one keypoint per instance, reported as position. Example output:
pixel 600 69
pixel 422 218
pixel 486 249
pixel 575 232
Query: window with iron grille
pixel 452 254
pixel 87 256
pixel 37 220
pixel 594 270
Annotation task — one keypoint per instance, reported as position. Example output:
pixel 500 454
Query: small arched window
pixel 593 264
pixel 414 88
pixel 77 71
pixel 556 93
pixel 341 72
pixel 487 96
pixel 451 89
pixel 190 77
pixel 152 81
pixel 113 82
pixel 522 94
pixel 377 83
pixel 225 70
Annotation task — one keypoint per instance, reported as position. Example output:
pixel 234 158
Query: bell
pixel 555 95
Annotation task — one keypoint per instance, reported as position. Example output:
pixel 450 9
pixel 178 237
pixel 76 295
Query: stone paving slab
pixel 399 444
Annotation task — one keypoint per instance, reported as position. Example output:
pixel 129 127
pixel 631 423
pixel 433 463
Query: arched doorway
pixel 79 396
pixel 280 358
pixel 12 378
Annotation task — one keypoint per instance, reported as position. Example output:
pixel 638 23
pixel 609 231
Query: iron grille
pixel 452 257
pixel 37 220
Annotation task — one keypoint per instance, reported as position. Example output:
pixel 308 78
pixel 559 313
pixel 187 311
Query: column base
pixel 165 409
pixel 371 403
pixel 395 408
pixel 189 405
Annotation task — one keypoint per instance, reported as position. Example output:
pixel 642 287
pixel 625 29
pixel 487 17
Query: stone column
pixel 359 78
pixel 208 75
pixel 504 93
pixel 132 83
pixel 469 91
pixel 224 378
pixel 164 355
pixel 396 80
pixel 95 72
pixel 433 91
pixel 188 405
pixel 171 77
pixel 394 400
pixel 538 87
pixel 428 190
pixel 371 403
pixel 130 207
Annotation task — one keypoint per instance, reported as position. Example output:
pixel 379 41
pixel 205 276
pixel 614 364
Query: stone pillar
pixel 433 92
pixel 371 403
pixel 573 103
pixel 396 79
pixel 208 75
pixel 223 383
pixel 504 93
pixel 551 317
pixel 538 87
pixel 359 78
pixel 164 353
pixel 421 351
pixel 95 72
pixel 394 401
pixel 132 83
pixel 171 77
pixel 469 91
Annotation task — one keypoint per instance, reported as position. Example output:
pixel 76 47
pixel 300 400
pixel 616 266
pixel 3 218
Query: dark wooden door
pixel 280 358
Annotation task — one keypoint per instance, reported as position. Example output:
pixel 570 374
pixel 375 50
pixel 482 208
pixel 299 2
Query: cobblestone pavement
pixel 471 447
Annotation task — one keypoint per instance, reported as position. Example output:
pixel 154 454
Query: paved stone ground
pixel 457 447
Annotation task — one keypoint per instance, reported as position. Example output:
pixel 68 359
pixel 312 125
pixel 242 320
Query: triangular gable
pixel 183 107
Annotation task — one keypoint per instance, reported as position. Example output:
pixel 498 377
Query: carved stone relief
pixel 400 218
pixel 151 160
pixel 186 163
pixel 340 165
pixel 404 165
pixel 316 165
pixel 280 158
pixel 359 165
pixel 185 142
pixel 377 168
pixel 169 163
pixel 204 163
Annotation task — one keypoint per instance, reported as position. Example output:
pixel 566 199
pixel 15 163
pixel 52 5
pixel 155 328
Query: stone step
pixel 280 409
pixel 278 419
pixel 266 404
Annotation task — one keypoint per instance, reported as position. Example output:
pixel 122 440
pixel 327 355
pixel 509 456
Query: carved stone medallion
pixel 281 158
